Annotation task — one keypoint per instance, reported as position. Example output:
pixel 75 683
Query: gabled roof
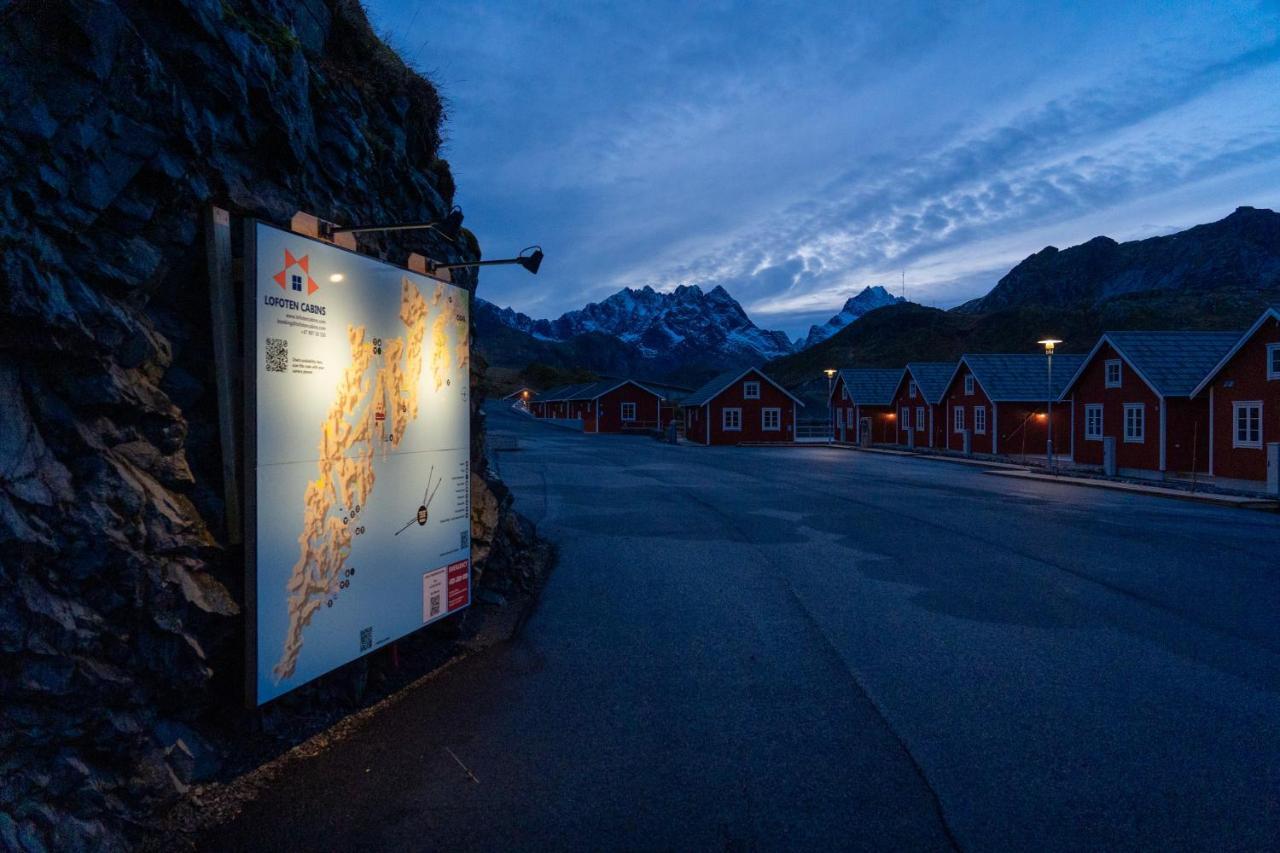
pixel 714 387
pixel 1273 312
pixel 518 392
pixel 1016 377
pixel 598 389
pixel 1171 363
pixel 932 378
pixel 871 386
pixel 561 393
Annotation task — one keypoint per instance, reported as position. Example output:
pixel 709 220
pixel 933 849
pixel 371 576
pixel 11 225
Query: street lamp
pixel 831 418
pixel 531 262
pixel 449 227
pixel 1049 344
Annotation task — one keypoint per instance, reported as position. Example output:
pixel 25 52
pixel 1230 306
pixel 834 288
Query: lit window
pixel 751 390
pixel 1111 370
pixel 957 419
pixel 980 420
pixel 1093 421
pixel 1248 424
pixel 771 419
pixel 904 418
pixel 919 418
pixel 731 419
pixel 968 384
pixel 1135 423
pixel 628 411
pixel 911 389
pixel 1273 361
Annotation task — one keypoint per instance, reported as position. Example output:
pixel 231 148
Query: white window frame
pixel 911 389
pixel 751 390
pixel 1106 373
pixel 957 419
pixel 844 392
pixel 724 419
pixel 979 423
pixel 1140 436
pixel 1090 409
pixel 919 418
pixel 1236 409
pixel 764 419
pixel 1273 361
pixel 904 418
pixel 968 385
pixel 632 406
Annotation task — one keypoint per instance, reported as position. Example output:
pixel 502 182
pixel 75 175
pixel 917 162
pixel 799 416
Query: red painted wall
pixel 955 397
pixel 1245 378
pixel 1016 433
pixel 770 397
pixel 902 399
pixel 1091 388
pixel 610 408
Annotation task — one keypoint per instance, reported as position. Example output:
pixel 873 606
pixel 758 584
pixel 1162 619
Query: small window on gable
pixel 1111 370
pixel 751 390
pixel 1273 361
pixel 911 389
pixel 968 384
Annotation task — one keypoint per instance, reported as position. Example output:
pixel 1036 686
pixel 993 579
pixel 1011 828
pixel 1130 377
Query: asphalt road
pixel 825 649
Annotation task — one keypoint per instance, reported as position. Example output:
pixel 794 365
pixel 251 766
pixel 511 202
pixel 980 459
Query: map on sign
pixel 362 483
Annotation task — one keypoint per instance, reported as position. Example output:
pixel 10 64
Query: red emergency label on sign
pixel 459 584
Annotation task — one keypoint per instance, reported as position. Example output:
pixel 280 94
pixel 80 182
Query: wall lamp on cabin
pixel 531 261
pixel 449 227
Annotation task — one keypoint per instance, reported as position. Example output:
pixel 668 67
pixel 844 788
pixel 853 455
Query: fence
pixel 813 433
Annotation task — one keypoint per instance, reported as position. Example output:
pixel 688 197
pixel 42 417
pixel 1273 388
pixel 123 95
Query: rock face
pixel 120 600
pixel 867 300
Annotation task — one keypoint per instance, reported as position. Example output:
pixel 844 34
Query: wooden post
pixel 222 306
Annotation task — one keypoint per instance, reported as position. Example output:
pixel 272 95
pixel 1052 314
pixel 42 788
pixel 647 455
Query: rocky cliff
pixel 120 599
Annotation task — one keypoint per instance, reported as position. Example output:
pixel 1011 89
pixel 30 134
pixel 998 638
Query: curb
pixel 1234 501
pixel 932 457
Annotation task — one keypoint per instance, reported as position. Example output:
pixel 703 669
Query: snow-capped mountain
pixel 869 299
pixel 685 324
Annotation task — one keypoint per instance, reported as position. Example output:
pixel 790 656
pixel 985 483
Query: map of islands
pixel 356 435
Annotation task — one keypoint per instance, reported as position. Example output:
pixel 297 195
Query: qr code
pixel 434 609
pixel 366 638
pixel 277 355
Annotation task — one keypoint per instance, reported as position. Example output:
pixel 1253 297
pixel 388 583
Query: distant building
pixel 524 392
pixel 740 406
pixel 618 405
pixel 919 392
pixel 554 402
pixel 1001 400
pixel 1243 395
pixel 1136 387
pixel 861 403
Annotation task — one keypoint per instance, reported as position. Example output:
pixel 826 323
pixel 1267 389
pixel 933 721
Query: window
pixel 919 418
pixel 1273 361
pixel 904 418
pixel 957 419
pixel 771 420
pixel 1111 372
pixel 731 419
pixel 1248 421
pixel 968 385
pixel 980 420
pixel 628 411
pixel 1135 423
pixel 911 389
pixel 751 390
pixel 839 417
pixel 844 392
pixel 296 281
pixel 1093 422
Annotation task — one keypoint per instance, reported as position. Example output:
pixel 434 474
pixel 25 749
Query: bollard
pixel 967 442
pixel 1273 468
pixel 1109 456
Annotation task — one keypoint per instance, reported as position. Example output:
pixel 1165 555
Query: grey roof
pixel 715 385
pixel 871 386
pixel 599 389
pixel 1172 363
pixel 1021 376
pixel 1272 311
pixel 560 393
pixel 932 377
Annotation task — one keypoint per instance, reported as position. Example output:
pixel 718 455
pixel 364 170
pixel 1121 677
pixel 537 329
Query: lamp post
pixel 831 418
pixel 531 262
pixel 1049 344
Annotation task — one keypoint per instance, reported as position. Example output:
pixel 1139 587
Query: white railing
pixel 813 433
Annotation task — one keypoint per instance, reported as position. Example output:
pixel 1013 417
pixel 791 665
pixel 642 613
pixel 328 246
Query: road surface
pixel 823 649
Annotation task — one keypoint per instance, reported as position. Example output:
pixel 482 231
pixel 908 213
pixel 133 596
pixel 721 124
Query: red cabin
pixel 1002 401
pixel 740 406
pixel 1243 394
pixel 918 393
pixel 861 403
pixel 1136 387
pixel 554 402
pixel 618 405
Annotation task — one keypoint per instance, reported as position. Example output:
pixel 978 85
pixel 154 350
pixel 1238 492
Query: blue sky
pixel 797 152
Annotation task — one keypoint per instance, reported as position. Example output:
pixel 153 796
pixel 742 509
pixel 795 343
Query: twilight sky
pixel 797 152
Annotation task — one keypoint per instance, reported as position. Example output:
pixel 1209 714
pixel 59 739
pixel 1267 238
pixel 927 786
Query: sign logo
pixel 295 276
